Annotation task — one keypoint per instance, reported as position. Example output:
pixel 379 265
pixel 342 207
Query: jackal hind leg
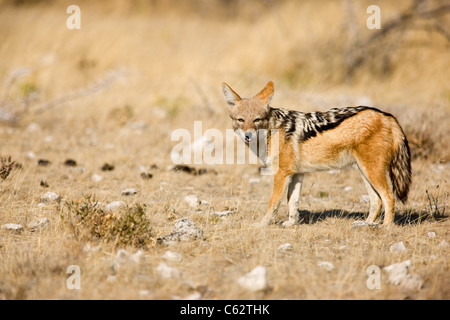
pixel 374 200
pixel 377 176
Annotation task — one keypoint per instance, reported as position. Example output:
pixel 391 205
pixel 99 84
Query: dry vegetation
pixel 114 91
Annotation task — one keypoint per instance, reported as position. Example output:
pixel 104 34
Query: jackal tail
pixel 400 170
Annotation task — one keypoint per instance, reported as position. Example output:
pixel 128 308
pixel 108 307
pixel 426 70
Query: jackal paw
pixel 261 224
pixel 288 223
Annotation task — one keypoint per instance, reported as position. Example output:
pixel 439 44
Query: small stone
pixel 146 175
pixel 70 163
pixel 443 244
pixel 43 162
pixel 326 265
pixel 362 224
pixel 38 224
pixel 193 296
pixel 285 247
pixel 255 280
pixel 165 272
pixel 96 177
pixel 116 206
pixel 192 200
pixel 254 181
pixel 107 167
pixel 172 256
pixel 183 230
pixel 129 191
pixel 50 197
pixel 398 247
pixel 412 282
pixel 397 271
pixel 12 227
pixel 348 188
pixel 123 258
pixel 221 213
pixel 431 234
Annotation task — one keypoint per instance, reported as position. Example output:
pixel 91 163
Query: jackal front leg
pixel 279 182
pixel 293 198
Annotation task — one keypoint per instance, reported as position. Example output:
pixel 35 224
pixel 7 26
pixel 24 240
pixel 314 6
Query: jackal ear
pixel 265 95
pixel 231 96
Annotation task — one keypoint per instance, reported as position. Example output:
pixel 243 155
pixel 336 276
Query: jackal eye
pixel 257 120
pixel 240 120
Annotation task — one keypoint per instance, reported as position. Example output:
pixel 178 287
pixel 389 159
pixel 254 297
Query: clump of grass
pixel 89 220
pixel 435 210
pixel 6 166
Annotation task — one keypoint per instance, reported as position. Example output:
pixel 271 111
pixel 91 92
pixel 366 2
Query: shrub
pixel 89 220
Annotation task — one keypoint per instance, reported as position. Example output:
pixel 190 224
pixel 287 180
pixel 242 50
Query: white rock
pixel 38 224
pixel 398 275
pixel 431 234
pixel 443 244
pixel 348 188
pixel 326 265
pixel 362 224
pixel 221 213
pixel 129 191
pixel 96 177
pixel 165 272
pixel 13 227
pixel 50 197
pixel 192 200
pixel 398 247
pixel 172 256
pixel 88 248
pixel 253 181
pixel 116 205
pixel 31 155
pixel 183 230
pixel 32 127
pixel 412 282
pixel 193 296
pixel 285 247
pixel 123 258
pixel 397 272
pixel 255 280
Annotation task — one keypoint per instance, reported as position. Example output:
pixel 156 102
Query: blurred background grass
pixel 173 55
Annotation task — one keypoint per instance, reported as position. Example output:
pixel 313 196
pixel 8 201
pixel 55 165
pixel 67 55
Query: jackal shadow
pixel 402 218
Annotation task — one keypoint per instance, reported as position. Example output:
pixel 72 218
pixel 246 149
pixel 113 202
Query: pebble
pixel 398 247
pixel 96 177
pixel 13 227
pixel 172 256
pixel 255 280
pixel 116 205
pixel 38 224
pixel 165 272
pixel 362 224
pixel 129 191
pixel 221 213
pixel 398 275
pixel 285 247
pixel 183 230
pixel 192 200
pixel 50 197
pixel 443 244
pixel 326 265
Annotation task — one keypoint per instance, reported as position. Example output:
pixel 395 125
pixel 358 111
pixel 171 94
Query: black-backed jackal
pixel 365 136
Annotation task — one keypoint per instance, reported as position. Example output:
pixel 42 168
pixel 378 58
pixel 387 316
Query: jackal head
pixel 249 115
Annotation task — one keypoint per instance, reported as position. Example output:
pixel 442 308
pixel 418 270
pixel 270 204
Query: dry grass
pixel 170 63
